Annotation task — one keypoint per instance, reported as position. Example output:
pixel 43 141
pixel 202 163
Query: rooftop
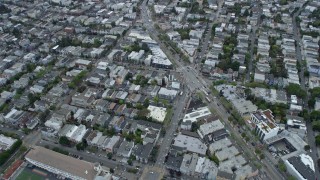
pixel 303 169
pixel 62 162
pixel 190 143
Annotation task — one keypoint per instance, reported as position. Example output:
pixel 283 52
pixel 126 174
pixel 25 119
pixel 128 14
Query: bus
pixel 208 99
pixel 205 92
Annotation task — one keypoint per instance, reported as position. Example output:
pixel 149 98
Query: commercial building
pixel 6 142
pixel 301 167
pixel 209 128
pixel 189 163
pixel 60 164
pixel 197 114
pixel 190 144
pixel 167 93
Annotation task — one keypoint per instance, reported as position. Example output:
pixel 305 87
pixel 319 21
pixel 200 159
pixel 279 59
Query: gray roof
pixel 304 170
pixel 143 151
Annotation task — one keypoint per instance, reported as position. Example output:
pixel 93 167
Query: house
pixel 112 144
pixel 40 105
pixel 118 123
pixel 82 64
pixel 14 116
pixel 53 124
pixel 125 149
pixel 32 122
pixel 84 99
pixel 142 152
pixel 36 89
pixel 167 94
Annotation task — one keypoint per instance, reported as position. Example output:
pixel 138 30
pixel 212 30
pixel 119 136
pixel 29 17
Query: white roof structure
pixel 6 142
pixel 199 113
pixel 157 113
pixel 53 123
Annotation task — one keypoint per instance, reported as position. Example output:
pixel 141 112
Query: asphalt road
pixel 310 132
pixel 170 130
pixel 252 38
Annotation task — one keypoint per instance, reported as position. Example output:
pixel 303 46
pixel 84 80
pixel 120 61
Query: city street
pixel 303 79
pixel 170 130
pixel 195 82
pixel 252 39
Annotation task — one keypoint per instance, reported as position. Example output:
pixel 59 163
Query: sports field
pixel 29 175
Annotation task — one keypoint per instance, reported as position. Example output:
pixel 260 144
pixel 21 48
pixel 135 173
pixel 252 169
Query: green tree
pixel 317 140
pixel 194 127
pixel 215 159
pixel 243 134
pixel 145 47
pixel 282 166
pixel 64 141
pixel 295 89
pixel 307 147
pixel 109 155
pixel 146 103
pixel 80 146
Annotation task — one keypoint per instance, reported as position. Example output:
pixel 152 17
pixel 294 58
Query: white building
pixel 6 142
pixel 264 123
pixel 157 113
pixel 60 164
pixel 301 167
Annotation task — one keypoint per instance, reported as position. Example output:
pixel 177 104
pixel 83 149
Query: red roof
pixel 14 166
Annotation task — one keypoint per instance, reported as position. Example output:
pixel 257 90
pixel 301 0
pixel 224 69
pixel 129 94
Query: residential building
pixel 264 124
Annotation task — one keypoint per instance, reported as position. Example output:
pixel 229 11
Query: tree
pixel 145 47
pixel 194 127
pixel 315 115
pixel 215 159
pixel 80 146
pixel 295 89
pixel 113 24
pixel 317 140
pixel 307 147
pixel 156 99
pixel 64 141
pixel 247 139
pixel 246 13
pixel 291 177
pixel 129 162
pixel 111 170
pixel 261 156
pixel 109 155
pixel 243 134
pixel 146 103
pixel 282 166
